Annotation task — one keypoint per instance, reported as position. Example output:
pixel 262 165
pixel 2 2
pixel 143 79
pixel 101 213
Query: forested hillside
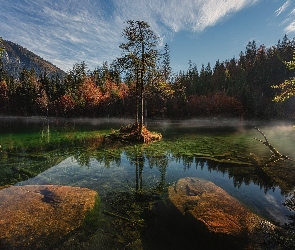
pixel 16 58
pixel 238 87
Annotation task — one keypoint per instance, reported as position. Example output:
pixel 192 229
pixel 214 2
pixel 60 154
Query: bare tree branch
pixel 276 155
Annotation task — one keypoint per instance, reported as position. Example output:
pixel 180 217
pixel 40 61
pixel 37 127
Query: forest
pixel 239 87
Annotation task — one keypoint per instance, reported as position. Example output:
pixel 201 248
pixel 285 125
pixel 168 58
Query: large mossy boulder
pixel 42 217
pixel 226 222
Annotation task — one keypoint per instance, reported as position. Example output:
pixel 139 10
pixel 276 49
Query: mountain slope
pixel 16 58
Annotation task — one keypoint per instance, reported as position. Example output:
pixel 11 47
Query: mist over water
pixel 218 150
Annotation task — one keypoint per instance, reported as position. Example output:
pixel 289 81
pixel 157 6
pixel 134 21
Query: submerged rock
pixel 40 217
pixel 223 217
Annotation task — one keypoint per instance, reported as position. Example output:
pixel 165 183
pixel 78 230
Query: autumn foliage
pixel 135 133
pixel 64 105
pixel 240 87
pixel 3 95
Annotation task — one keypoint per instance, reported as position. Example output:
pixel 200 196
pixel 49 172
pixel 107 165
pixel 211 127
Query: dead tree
pixel 276 155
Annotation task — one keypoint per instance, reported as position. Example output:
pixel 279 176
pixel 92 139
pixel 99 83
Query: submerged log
pixel 276 155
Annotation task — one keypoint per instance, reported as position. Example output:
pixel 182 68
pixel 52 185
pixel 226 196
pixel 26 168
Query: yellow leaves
pixel 290 65
pixel 162 88
pixel 227 73
pixel 287 88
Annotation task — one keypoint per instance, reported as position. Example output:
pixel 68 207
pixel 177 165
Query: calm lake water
pixel 132 180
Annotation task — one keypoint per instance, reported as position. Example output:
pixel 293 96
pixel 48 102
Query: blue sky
pixel 65 32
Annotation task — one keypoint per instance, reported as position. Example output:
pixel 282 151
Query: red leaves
pixel 90 94
pixel 88 98
pixel 217 104
pixel 64 104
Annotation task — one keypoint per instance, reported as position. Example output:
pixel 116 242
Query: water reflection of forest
pixel 109 153
pixel 139 156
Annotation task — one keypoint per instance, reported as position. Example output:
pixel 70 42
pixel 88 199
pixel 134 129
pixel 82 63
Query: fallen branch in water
pixel 139 222
pixel 276 155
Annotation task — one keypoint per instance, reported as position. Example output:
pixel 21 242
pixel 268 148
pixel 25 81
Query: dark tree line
pixel 239 87
pixel 245 82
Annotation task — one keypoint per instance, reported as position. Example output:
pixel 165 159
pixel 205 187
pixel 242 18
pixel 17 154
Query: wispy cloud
pixel 69 31
pixel 63 32
pixel 290 27
pixel 192 15
pixel 288 8
pixel 280 10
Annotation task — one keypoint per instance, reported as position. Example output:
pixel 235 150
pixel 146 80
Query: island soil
pixel 135 133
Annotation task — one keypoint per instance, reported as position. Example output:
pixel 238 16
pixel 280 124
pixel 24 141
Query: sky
pixel 66 32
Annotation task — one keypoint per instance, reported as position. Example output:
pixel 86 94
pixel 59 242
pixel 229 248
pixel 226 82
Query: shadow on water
pixel 132 180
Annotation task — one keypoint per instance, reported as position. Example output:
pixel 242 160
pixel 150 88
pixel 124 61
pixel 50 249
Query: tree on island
pixel 139 60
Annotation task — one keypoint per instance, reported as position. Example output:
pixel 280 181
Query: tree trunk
pixel 137 97
pixel 141 85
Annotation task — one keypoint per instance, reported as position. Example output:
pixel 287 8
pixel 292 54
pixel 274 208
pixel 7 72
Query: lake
pixel 132 180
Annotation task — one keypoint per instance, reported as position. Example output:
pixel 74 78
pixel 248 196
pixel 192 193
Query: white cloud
pixel 192 15
pixel 280 10
pixel 290 27
pixel 68 31
pixel 287 12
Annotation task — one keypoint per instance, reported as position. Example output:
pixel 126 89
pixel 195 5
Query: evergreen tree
pixel 140 57
pixel 219 77
pixel 166 63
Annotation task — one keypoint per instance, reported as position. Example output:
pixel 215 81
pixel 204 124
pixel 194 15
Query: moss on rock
pixel 42 217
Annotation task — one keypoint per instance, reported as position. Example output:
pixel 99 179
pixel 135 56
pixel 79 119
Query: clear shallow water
pixel 74 156
pixel 122 177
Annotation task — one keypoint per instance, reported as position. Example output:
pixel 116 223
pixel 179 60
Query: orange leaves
pixel 112 90
pixel 89 99
pixel 123 90
pixel 90 94
pixel 64 104
pixel 42 101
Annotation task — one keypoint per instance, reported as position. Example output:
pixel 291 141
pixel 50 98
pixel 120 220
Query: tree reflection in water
pixel 141 156
pixel 134 205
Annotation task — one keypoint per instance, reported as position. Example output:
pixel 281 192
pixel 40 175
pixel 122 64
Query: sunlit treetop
pixel 287 88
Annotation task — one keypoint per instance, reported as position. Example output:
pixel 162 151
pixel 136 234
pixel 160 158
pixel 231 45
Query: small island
pixel 139 58
pixel 135 133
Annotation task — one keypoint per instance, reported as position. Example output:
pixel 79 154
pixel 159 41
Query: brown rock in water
pixel 38 217
pixel 221 215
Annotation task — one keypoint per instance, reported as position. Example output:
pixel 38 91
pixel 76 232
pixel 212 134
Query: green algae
pixel 128 208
